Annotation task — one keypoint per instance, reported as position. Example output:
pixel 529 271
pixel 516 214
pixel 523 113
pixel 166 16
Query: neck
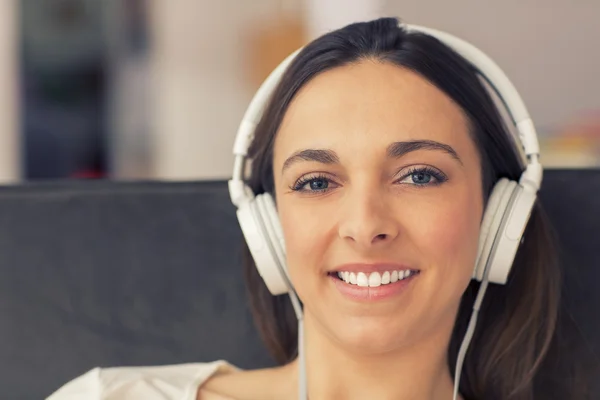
pixel 416 371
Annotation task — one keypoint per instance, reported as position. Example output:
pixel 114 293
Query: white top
pixel 168 382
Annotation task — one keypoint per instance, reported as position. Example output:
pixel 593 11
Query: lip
pixel 371 267
pixel 371 294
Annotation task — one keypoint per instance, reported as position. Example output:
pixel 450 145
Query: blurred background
pixel 155 89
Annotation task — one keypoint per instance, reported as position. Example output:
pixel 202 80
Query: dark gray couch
pixel 104 274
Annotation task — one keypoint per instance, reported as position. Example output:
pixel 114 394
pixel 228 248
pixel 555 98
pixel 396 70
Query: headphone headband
pixel 532 176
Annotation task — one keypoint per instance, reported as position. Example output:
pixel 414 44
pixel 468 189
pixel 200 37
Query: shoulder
pixel 167 382
pixel 268 383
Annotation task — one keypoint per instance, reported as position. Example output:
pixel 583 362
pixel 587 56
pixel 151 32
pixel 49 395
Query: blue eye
pixel 421 178
pixel 424 176
pixel 315 184
pixel 318 184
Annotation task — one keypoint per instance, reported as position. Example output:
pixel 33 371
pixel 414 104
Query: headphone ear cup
pixel 257 238
pixel 494 212
pixel 268 212
pixel 510 233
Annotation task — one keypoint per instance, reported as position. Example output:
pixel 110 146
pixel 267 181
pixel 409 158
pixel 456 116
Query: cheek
pixel 306 237
pixel 449 236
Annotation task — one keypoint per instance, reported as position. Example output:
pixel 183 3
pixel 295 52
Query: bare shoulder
pixel 264 384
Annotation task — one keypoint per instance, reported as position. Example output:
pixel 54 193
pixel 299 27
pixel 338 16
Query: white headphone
pixel 506 214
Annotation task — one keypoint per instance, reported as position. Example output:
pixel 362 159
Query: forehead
pixel 369 104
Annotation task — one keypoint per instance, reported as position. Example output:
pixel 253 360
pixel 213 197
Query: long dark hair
pixel 517 331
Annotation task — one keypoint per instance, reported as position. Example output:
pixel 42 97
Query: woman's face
pixel 376 175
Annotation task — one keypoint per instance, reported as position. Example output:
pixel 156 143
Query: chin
pixel 371 336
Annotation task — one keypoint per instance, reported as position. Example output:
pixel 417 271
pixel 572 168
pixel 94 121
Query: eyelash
pixel 437 175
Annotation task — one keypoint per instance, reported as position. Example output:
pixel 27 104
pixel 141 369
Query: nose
pixel 367 220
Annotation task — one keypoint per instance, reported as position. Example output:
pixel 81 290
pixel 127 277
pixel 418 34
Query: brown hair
pixel 516 336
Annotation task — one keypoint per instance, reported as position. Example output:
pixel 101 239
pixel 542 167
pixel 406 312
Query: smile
pixel 375 279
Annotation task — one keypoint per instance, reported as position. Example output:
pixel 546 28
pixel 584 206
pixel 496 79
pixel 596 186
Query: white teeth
pixel 361 279
pixel 353 278
pixel 385 278
pixel 374 279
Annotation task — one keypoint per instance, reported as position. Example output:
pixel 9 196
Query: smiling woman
pixel 381 148
pixel 392 185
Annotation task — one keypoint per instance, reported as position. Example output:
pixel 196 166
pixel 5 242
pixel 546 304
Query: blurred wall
pixel 199 66
pixel 548 48
pixel 323 16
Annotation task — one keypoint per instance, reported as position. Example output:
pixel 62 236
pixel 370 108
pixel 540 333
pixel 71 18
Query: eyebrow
pixel 394 150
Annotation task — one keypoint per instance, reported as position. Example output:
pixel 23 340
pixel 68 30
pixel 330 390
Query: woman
pixel 380 148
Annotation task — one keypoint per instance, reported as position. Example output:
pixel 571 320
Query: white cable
pixel 302 385
pixel 468 336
